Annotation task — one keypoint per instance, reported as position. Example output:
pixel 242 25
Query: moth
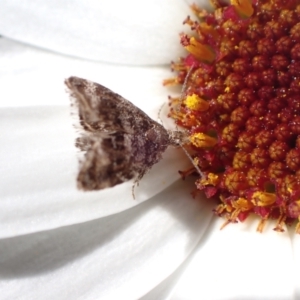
pixel 119 141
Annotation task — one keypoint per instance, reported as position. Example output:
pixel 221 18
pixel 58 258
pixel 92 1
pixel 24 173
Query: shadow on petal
pixel 38 178
pixel 128 232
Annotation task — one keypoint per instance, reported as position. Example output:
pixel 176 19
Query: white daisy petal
pixel 204 4
pixel 165 288
pixel 296 264
pixel 59 243
pixel 39 168
pixel 239 263
pixel 126 32
pixel 30 76
pixel 118 257
pixel 38 174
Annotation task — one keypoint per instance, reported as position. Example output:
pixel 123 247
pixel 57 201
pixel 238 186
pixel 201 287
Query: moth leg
pixel 132 190
pixel 159 112
pixel 137 181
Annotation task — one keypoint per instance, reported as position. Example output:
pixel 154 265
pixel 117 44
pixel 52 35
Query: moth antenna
pixel 159 112
pixel 183 89
pixel 135 183
pixel 181 99
pixel 192 161
pixel 186 80
pixel 132 190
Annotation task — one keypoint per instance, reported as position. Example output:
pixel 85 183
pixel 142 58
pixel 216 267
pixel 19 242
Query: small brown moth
pixel 120 142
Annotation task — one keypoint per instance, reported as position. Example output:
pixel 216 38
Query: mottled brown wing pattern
pixel 104 163
pixel 120 142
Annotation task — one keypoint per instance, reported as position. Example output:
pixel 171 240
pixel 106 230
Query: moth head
pixel 177 138
pixel 180 138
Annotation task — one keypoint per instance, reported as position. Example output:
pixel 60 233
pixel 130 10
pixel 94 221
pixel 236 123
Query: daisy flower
pixel 59 243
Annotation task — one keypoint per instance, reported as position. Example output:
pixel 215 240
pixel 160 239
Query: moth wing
pixel 100 109
pixel 120 142
pixel 106 162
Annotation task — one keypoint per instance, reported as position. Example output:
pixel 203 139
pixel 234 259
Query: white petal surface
pixel 294 276
pixel 39 164
pixel 125 32
pixel 30 76
pixel 38 174
pixel 118 257
pixel 239 263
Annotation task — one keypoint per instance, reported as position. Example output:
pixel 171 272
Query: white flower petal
pixel 294 276
pixel 165 288
pixel 239 263
pixel 38 173
pixel 30 76
pixel 127 32
pixel 118 257
pixel 204 4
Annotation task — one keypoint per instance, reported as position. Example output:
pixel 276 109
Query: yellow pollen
pixel 280 222
pixel 212 179
pixel 171 81
pixel 208 30
pixel 243 7
pixel 261 225
pixel 201 52
pixel 263 198
pixel 202 140
pixel 242 204
pixel 240 107
pixel 194 102
pixel 198 11
pixel 178 66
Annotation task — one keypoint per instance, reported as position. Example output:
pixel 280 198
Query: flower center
pixel 241 106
